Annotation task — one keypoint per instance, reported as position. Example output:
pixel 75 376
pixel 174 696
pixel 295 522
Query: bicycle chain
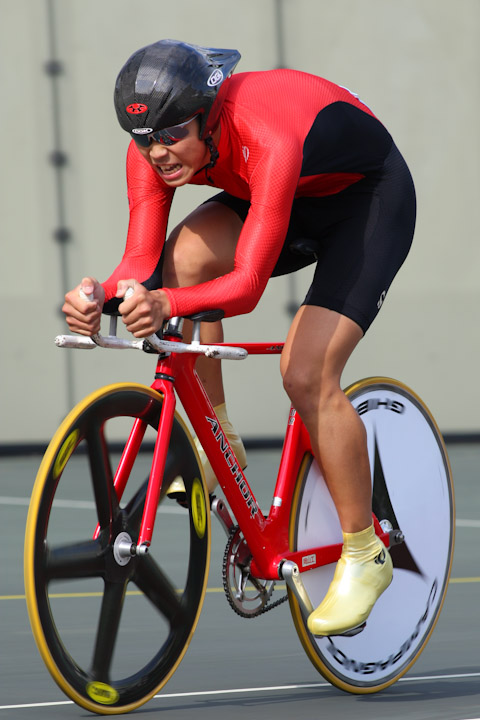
pixel 235 608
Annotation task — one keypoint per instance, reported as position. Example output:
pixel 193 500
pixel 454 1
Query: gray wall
pixel 415 62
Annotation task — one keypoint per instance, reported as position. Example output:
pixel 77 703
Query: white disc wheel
pixel 412 492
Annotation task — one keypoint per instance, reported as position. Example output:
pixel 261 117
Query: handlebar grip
pixel 90 297
pixel 84 295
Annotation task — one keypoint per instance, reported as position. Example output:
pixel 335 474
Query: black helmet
pixel 169 82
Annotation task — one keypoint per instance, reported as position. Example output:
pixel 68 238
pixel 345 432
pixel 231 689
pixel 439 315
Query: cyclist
pixel 300 161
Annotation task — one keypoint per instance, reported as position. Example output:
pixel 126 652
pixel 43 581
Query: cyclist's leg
pixel 200 248
pixel 319 344
pixel 317 348
pixel 363 236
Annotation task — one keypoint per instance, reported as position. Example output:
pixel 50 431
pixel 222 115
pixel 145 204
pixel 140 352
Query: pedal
pixel 354 631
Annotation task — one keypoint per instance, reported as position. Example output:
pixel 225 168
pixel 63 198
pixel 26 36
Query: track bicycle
pixel 143 590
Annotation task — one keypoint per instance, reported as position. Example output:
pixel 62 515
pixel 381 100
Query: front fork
pixel 158 465
pixel 126 548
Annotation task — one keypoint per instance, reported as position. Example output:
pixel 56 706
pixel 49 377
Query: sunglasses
pixel 167 136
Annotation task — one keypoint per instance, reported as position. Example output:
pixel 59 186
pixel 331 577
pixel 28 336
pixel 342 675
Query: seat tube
pixel 158 462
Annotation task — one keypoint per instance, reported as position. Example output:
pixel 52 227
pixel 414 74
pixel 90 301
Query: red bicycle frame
pixel 267 537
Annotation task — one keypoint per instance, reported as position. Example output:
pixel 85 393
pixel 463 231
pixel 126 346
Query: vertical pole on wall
pixel 59 160
pixel 280 34
pixel 291 305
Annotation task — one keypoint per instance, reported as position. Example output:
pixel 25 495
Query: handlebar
pixel 152 344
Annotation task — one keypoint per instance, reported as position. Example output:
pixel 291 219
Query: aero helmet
pixel 169 82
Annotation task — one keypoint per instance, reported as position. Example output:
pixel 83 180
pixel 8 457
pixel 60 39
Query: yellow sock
pixel 235 442
pixel 177 486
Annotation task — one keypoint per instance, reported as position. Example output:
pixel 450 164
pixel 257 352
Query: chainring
pixel 247 595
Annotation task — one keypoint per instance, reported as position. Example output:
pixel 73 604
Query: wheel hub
pixel 123 548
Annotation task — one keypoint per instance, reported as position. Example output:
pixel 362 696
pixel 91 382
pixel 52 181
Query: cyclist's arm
pixel 272 186
pixel 149 202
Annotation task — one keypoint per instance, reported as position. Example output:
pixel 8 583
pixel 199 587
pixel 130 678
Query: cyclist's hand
pixel 144 311
pixel 82 314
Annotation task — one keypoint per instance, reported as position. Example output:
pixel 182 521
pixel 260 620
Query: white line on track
pixel 271 688
pixel 467 523
pixel 90 505
pixel 80 504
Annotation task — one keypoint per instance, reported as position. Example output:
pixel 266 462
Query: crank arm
pixel 221 511
pixel 290 573
pixel 240 594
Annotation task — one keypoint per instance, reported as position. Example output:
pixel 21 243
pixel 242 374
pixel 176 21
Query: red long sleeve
pixel 277 142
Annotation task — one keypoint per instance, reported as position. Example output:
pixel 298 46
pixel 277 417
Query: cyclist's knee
pixel 202 247
pixel 295 383
pixel 312 391
pixel 182 265
pixel 297 380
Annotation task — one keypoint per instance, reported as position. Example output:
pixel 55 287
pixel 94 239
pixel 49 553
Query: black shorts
pixel 358 239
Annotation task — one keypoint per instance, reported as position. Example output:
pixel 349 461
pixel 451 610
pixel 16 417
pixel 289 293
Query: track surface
pixel 236 667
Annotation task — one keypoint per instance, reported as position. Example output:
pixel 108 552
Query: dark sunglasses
pixel 167 136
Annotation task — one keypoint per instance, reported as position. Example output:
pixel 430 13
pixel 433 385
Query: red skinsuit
pixel 284 134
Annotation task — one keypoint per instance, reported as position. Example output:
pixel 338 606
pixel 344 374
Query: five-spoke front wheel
pixel 113 625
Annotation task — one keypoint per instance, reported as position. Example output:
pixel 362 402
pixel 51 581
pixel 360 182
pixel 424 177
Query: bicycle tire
pixel 413 491
pixel 121 660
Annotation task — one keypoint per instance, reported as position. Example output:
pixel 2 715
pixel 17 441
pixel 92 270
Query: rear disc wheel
pixel 412 493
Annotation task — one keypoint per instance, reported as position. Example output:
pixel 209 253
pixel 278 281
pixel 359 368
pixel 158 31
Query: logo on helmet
pixel 136 108
pixel 142 131
pixel 215 78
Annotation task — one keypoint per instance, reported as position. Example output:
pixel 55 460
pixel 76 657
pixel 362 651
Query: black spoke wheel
pixel 113 629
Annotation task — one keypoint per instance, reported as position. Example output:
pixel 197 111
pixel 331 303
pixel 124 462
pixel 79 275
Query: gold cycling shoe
pixel 363 572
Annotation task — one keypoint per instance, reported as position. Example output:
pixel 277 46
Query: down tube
pixel 231 478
